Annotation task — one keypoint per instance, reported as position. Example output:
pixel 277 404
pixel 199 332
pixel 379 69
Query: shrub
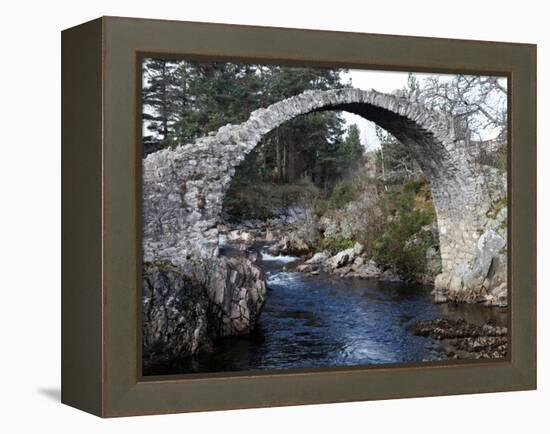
pixel 345 191
pixel 321 207
pixel 402 243
pixel 335 244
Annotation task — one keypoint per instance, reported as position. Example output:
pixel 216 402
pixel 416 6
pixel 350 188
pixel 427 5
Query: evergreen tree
pixel 305 146
pixel 158 102
pixel 184 100
pixel 184 129
pixel 352 149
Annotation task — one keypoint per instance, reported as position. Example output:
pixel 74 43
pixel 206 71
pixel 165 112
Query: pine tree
pixel 351 147
pixel 184 100
pixel 157 100
pixel 304 146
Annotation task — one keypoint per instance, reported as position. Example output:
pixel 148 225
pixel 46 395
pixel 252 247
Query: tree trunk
pixel 285 172
pixel 278 157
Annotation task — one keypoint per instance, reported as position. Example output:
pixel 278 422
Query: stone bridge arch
pixel 184 187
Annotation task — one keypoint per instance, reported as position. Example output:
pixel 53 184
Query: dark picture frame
pixel 101 226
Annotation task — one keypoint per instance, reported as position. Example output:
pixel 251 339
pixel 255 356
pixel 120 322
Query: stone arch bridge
pixel 184 187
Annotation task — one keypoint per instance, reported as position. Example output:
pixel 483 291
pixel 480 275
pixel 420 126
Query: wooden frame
pixel 101 261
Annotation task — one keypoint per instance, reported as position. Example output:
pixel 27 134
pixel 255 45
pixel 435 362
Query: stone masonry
pixel 184 187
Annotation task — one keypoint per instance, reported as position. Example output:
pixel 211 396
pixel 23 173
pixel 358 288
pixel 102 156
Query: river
pixel 326 321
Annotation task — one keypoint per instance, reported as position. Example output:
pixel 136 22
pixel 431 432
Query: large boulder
pixel 186 308
pixel 345 257
pixel 318 258
pixel 175 313
pixel 342 258
pixel 240 236
pixel 236 287
pixel 293 244
pixel 370 270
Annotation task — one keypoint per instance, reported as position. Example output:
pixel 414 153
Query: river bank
pixel 283 240
pixel 291 235
pixel 463 340
pixel 324 319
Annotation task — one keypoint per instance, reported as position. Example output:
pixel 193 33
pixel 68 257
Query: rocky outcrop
pixel 341 259
pixel 240 236
pixel 351 262
pixel 175 314
pixel 462 340
pixel 484 278
pixel 349 222
pixel 290 244
pixel 187 307
pixel 318 258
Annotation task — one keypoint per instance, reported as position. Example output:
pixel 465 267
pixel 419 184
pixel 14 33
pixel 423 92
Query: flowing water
pixel 324 320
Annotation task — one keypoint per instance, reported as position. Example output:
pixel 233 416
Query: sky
pixel 386 82
pixel 382 81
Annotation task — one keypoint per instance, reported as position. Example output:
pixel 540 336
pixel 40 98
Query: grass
pixel 334 244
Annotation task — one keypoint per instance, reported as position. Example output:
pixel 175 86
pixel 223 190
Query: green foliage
pixel 351 149
pixel 258 200
pixel 403 242
pixel 307 146
pixel 158 98
pixel 321 207
pixel 334 244
pixel 212 94
pixel 395 226
pixel 345 191
pixel 183 100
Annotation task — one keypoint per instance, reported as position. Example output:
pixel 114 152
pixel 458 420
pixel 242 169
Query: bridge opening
pixel 324 182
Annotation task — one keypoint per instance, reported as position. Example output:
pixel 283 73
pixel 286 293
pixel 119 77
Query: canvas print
pixel 301 217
